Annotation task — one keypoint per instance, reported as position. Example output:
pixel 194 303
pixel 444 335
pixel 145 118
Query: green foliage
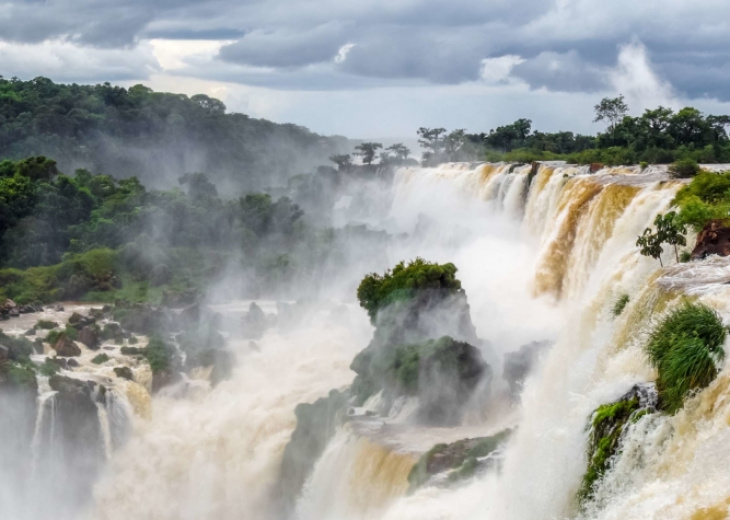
pixel 685 256
pixel 367 151
pixel 48 368
pixel 53 336
pixel 607 426
pixel 100 359
pixel 705 198
pixel 18 374
pixel 685 347
pixel 142 132
pixel 644 165
pixel 669 229
pixel 157 353
pixel 377 292
pixel 620 305
pixel 684 168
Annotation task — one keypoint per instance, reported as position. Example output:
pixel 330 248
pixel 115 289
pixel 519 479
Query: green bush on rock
pixel 376 292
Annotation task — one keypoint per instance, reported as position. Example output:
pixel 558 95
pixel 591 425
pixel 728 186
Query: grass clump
pixel 619 305
pixel 705 198
pixel 100 359
pixel 376 292
pixel 48 368
pixel 685 348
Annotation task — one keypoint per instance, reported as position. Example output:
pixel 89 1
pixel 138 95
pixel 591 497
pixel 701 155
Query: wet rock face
pixel 442 373
pixel 316 424
pixel 79 431
pixel 714 239
pixel 431 313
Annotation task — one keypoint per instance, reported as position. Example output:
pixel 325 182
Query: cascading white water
pixel 554 274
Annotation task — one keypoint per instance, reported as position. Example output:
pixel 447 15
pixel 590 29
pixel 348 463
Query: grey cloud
pixel 261 48
pixel 566 72
pixel 567 46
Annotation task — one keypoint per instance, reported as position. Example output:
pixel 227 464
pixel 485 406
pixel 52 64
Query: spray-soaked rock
pixel 714 239
pixel 443 374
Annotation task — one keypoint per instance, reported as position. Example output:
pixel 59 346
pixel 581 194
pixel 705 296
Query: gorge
pixel 301 429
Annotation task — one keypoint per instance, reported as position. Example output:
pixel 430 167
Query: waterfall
pixel 543 252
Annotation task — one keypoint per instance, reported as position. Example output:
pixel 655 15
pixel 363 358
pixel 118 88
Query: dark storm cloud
pixel 566 46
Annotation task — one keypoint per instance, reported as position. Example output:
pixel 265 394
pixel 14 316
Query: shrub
pixel 684 169
pixel 685 256
pixel 157 353
pixel 619 305
pixel 100 359
pixel 376 292
pixel 685 348
pixel 643 165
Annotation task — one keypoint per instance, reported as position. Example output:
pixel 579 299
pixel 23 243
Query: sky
pixel 384 68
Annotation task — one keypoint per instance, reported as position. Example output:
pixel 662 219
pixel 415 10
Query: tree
pixel 367 151
pixel 612 110
pixel 431 139
pixel 650 244
pixel 671 230
pixel 343 161
pixel 400 151
pixel 198 185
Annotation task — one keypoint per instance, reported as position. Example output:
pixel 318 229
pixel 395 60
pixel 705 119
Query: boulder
pixel 14 312
pixel 38 346
pixel 714 239
pixel 29 308
pixel 124 373
pixel 72 363
pixel 29 332
pixel 66 348
pixel 90 337
pixel 4 353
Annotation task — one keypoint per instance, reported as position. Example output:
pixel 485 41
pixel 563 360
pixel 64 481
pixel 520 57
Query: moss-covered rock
pixel 607 427
pixel 457 461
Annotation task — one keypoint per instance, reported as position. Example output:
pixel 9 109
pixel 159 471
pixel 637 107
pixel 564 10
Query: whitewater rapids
pixel 542 254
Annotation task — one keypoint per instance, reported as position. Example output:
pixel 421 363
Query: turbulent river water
pixel 543 254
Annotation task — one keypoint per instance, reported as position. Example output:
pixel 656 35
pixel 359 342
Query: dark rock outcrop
pixel 714 239
pixel 124 373
pixel 90 336
pixel 254 322
pixel 519 364
pixel 66 347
